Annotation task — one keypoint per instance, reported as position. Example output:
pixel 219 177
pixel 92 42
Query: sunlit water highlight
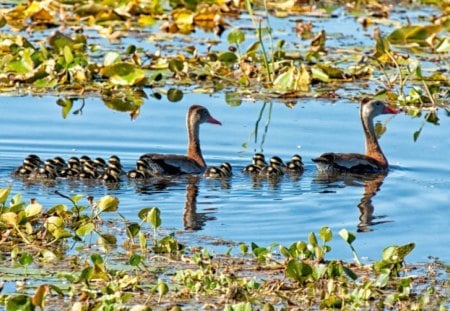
pixel 411 205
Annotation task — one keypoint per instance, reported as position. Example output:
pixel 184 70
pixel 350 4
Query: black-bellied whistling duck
pixel 224 171
pixel 275 168
pixel 373 161
pixel 258 162
pixel 295 166
pixel 193 162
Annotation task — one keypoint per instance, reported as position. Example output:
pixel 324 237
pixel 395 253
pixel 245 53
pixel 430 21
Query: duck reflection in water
pixel 192 220
pixel 371 184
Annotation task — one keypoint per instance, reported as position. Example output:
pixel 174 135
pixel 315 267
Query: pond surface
pixel 412 204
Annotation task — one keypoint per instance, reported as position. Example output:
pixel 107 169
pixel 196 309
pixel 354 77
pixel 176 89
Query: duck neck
pixel 194 152
pixel 373 148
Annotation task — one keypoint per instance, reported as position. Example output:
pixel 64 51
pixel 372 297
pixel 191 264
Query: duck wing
pixel 171 164
pixel 347 162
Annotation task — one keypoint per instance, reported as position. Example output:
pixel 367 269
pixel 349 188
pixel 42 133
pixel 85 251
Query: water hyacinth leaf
pixel 348 237
pixel 298 270
pixel 135 260
pixel 4 193
pixel 325 234
pixel 174 95
pixel 286 80
pixel 59 41
pixel 24 64
pixel 421 34
pixel 54 223
pixel 19 303
pixel 176 65
pixel 47 256
pixel 396 254
pixel 66 105
pixel 107 239
pixel 123 73
pixel 111 58
pixel 9 218
pixel 228 57
pixel 319 74
pixel 154 217
pixel 236 36
pixel 68 56
pixel 25 259
pixel 233 98
pixel 383 278
pixel 85 229
pixel 443 46
pixel 33 209
pixel 108 204
pixel 133 229
pixel 312 239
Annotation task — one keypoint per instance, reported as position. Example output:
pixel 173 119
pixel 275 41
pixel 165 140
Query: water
pixel 410 206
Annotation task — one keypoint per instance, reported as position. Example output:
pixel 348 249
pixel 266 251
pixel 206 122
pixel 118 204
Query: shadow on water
pixel 371 184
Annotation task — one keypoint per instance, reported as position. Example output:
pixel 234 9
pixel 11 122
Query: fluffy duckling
pixel 258 162
pixel 73 168
pixel 275 168
pixel 295 166
pixel 88 170
pixel 112 173
pixel 223 171
pixel 29 165
pixel 142 170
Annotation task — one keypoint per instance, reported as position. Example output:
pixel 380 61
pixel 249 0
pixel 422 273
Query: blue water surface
pixel 412 204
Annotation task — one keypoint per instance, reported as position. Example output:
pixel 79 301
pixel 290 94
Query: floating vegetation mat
pixel 88 257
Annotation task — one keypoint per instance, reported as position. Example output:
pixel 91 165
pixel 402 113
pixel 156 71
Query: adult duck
pixel 373 161
pixel 192 162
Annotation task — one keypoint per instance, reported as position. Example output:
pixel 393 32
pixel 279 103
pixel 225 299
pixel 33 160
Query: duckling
pixel 274 169
pixel 213 172
pixel 111 175
pixel 223 171
pixel 30 164
pixel 73 168
pixel 226 168
pixel 114 160
pixel 142 170
pixel 295 166
pixel 88 170
pixel 258 162
pixel 46 172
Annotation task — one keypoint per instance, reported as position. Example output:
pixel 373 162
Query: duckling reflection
pixel 371 183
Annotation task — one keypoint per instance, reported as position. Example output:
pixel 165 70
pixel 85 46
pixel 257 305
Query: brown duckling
pixel 295 166
pixel 258 162
pixel 275 168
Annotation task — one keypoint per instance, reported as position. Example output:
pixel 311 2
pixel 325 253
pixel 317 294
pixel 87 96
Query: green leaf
pixel 133 229
pixel 325 234
pixel 25 259
pixel 175 65
pixel 111 58
pixel 4 193
pixel 383 278
pixel 108 204
pixel 298 270
pixel 9 218
pixel 19 303
pixel 66 105
pixel 68 56
pixel 414 33
pixel 135 260
pixel 348 237
pixel 174 95
pixel 85 229
pixel 122 73
pixel 33 210
pixel 312 239
pixel 227 57
pixel 236 36
pixel 154 217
